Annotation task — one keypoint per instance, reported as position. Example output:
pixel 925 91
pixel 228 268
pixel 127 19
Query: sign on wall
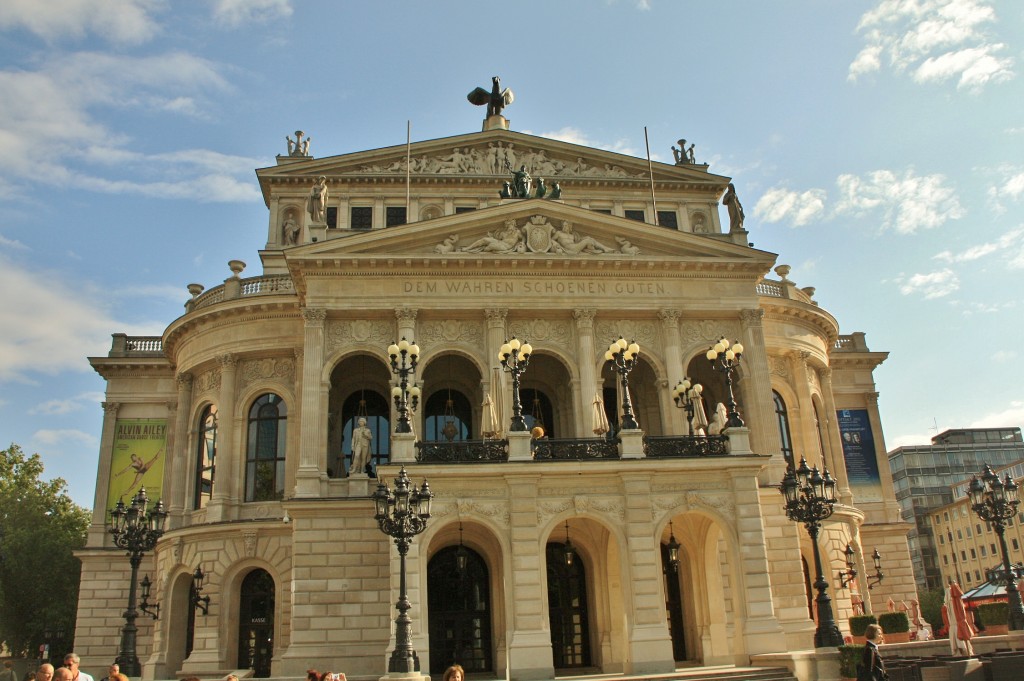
pixel 859 454
pixel 137 460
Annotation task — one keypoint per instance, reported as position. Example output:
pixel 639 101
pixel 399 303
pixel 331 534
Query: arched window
pixel 378 412
pixel 537 410
pixel 206 455
pixel 785 441
pixel 438 415
pixel 264 461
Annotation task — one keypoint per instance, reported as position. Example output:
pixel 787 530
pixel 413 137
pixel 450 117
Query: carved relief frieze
pixel 492 160
pixel 343 332
pixel 721 503
pixel 498 512
pixel 556 332
pixel 249 541
pixel 645 333
pixel 669 487
pixel 208 380
pixel 451 331
pixel 535 235
pixel 262 369
pixel 778 366
pixel 708 330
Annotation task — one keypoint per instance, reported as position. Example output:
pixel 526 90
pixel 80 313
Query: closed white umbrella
pixel 601 425
pixel 491 427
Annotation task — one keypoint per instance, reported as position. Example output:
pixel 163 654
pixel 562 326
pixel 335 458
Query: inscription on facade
pixel 583 288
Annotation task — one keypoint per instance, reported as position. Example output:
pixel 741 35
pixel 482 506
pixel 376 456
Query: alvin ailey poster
pixel 137 460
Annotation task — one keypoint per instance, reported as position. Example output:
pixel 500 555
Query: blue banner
pixel 859 454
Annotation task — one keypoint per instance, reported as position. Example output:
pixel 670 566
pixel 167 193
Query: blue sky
pixel 876 146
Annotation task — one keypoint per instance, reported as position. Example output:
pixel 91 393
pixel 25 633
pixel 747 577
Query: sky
pixel 876 146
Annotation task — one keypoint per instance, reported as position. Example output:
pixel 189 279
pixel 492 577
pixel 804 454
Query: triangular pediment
pixel 476 156
pixel 535 230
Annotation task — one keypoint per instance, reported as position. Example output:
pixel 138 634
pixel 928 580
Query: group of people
pixel 71 671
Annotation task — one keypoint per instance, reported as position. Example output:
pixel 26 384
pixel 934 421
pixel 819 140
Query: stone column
pixel 228 483
pixel 801 414
pixel 758 412
pixel 674 371
pixel 835 440
pixel 177 448
pixel 650 642
pixel 529 648
pixel 311 444
pixel 97 529
pixel 586 360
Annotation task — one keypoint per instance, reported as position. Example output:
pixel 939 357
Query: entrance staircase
pixel 719 673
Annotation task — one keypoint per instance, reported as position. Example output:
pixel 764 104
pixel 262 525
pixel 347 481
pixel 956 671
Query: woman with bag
pixel 871 667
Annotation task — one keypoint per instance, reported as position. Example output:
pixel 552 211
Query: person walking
pixel 872 667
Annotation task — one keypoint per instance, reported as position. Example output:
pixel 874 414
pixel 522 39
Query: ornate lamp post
pixel 995 501
pixel 877 578
pixel 514 358
pixel 726 359
pixel 684 395
pixel 810 498
pixel 847 576
pixel 195 596
pixel 402 514
pixel 404 356
pixel 623 356
pixel 136 529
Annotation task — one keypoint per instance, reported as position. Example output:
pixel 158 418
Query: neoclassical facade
pixel 261 381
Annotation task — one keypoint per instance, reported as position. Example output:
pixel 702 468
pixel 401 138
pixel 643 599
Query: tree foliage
pixel 931 606
pixel 40 528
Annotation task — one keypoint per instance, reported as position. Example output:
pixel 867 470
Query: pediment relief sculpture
pixel 536 235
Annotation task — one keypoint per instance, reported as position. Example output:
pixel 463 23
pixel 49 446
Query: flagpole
pixel 650 170
pixel 408 168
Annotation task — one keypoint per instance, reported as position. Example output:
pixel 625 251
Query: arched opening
pixel 537 411
pixel 643 393
pixel 447 416
pixel 360 387
pixel 372 406
pixel 265 451
pixel 453 378
pixel 673 605
pixel 568 611
pixel 458 602
pixel 256 623
pixel 206 457
pixel 785 438
pixel 180 624
pixel 547 378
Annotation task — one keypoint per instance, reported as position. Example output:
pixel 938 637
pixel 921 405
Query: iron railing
pixel 570 449
pixel 688 446
pixel 464 451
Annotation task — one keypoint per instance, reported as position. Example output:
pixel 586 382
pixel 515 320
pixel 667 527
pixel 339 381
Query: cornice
pixel 811 316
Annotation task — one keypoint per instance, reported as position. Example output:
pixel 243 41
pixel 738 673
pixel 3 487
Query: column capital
pixel 872 398
pixel 584 317
pixel 172 406
pixel 751 317
pixel 669 316
pixel 496 315
pixel 110 408
pixel 314 316
pixel 826 374
pixel 299 354
pixel 184 380
pixel 228 360
pixel 406 314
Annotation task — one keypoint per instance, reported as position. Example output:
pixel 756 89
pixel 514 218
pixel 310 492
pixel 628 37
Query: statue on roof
pixel 316 202
pixel 735 208
pixel 298 146
pixel 496 100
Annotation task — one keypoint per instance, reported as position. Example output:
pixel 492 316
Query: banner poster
pixel 137 460
pixel 859 454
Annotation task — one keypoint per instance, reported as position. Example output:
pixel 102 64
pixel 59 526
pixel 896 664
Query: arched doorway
pixel 256 623
pixel 567 609
pixel 458 602
pixel 673 606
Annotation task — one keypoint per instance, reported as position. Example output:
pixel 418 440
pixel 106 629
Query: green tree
pixel 40 528
pixel 931 606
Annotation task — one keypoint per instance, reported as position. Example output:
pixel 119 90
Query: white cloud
pixel 50 326
pixel 931 285
pixel 908 440
pixel 936 40
pixel 1004 355
pixel 120 21
pixel 1011 416
pixel 13 244
pixel 48 437
pixel 1007 241
pixel 798 208
pixel 235 13
pixel 906 203
pixel 66 406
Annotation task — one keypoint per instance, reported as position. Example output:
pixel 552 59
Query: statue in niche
pixel 496 100
pixel 316 202
pixel 361 438
pixel 508 240
pixel 735 208
pixel 298 146
pixel 291 231
pixel 568 241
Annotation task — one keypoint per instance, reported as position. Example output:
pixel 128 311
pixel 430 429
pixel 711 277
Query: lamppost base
pixel 828 637
pixel 405 676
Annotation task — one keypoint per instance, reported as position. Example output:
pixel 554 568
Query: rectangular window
pixel 968 533
pixel 668 219
pixel 637 215
pixel 977 576
pixel 945 559
pixel 1016 544
pixel 974 555
pixel 332 217
pixel 606 211
pixel 992 548
pixel 394 215
pixel 963 555
pixel 459 210
pixel 362 218
pixel 959 535
pixel 977 528
pixel 945 516
pixel 942 540
pixel 984 551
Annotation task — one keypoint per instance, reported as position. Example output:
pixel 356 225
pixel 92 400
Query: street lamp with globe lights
pixel 623 356
pixel 402 513
pixel 404 356
pixel 514 357
pixel 810 498
pixel 995 501
pixel 726 359
pixel 136 529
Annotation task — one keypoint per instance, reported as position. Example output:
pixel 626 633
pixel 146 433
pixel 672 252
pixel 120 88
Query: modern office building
pixel 548 551
pixel 925 476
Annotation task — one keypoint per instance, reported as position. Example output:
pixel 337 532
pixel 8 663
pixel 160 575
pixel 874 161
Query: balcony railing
pixel 567 449
pixel 465 451
pixel 689 446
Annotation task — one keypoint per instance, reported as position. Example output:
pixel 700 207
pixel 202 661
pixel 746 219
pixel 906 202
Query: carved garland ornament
pixel 691 501
pixel 262 369
pixel 542 330
pixel 361 331
pixel 451 331
pixel 208 380
pixel 644 333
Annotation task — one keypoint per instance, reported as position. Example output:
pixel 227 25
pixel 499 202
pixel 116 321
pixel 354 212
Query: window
pixel 394 215
pixel 821 440
pixel 968 533
pixel 963 555
pixel 376 409
pixel 668 219
pixel 637 215
pixel 362 217
pixel 974 554
pixel 945 559
pixel 945 516
pixel 942 540
pixel 606 211
pixel 977 576
pixel 992 549
pixel 1016 544
pixel 448 417
pixel 206 454
pixel 959 535
pixel 785 441
pixel 459 210
pixel 264 461
pixel 977 528
pixel 332 217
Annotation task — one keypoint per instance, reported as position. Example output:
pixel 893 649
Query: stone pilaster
pixel 177 447
pixel 758 410
pixel 312 448
pixel 586 362
pixel 230 461
pixel 674 371
pixel 801 414
pixel 97 529
pixel 835 440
